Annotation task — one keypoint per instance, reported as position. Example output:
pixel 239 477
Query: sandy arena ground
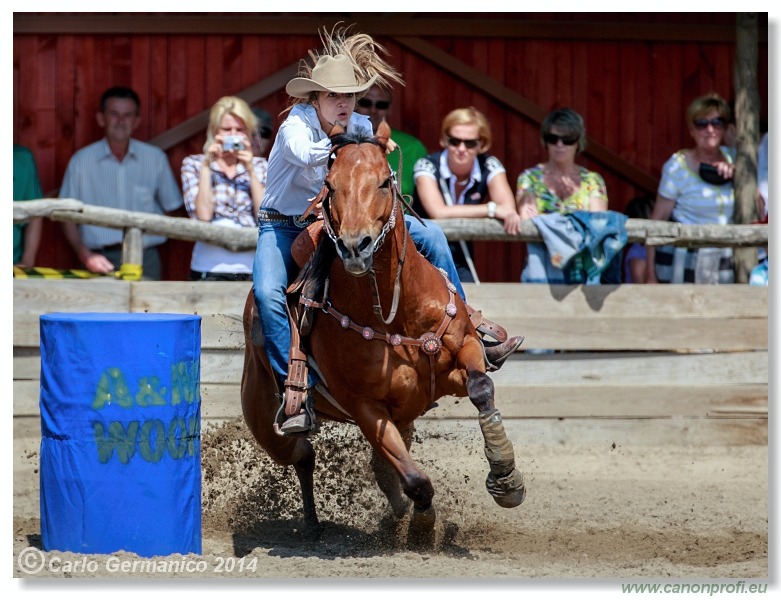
pixel 592 512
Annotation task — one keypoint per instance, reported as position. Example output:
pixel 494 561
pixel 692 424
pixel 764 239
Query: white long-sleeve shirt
pixel 298 162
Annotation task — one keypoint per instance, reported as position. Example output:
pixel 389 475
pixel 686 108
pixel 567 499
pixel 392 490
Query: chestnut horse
pixel 391 338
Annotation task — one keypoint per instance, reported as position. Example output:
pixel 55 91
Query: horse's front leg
pixel 393 445
pixel 504 481
pixel 388 479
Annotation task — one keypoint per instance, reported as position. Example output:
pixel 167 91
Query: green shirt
pixel 411 150
pixel 26 187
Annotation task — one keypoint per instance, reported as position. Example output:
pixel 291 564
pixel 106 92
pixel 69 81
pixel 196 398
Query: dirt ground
pixel 592 512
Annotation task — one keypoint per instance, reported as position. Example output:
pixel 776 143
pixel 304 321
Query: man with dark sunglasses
pixel 376 105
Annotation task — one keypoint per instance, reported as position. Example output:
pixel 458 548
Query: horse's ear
pixel 336 130
pixel 383 132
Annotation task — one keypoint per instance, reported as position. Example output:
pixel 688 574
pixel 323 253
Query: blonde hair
pixel 362 51
pixel 229 105
pixel 704 104
pixel 469 116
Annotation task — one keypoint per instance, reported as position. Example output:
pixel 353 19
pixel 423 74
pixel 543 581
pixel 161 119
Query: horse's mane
pixel 345 139
pixel 316 271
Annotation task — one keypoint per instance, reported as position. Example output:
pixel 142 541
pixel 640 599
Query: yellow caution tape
pixel 50 273
pixel 129 272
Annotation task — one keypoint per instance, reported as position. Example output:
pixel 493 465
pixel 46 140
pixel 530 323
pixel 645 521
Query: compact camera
pixel 710 174
pixel 232 142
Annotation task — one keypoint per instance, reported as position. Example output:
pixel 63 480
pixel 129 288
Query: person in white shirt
pixel 119 172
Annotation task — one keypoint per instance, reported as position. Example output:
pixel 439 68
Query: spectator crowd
pixel 233 181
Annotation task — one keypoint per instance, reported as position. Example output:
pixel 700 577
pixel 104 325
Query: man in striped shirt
pixel 119 172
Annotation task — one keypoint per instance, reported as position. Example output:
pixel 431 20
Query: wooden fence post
pixel 747 122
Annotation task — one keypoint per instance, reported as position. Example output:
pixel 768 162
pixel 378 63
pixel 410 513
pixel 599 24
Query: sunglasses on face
pixel 553 139
pixel 456 142
pixel 716 123
pixel 379 104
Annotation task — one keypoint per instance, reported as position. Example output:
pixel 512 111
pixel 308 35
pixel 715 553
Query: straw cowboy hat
pixel 330 74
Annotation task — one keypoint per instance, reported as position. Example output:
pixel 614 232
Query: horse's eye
pixel 387 184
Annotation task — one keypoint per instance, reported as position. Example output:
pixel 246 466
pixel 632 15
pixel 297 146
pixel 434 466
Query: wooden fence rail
pixel 652 233
pixel 684 363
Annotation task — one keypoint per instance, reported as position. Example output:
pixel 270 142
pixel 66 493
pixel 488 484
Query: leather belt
pixel 292 220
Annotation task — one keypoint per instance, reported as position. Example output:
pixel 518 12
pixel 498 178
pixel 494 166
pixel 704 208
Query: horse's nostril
pixel 365 243
pixel 352 247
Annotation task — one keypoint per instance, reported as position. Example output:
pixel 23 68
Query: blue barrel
pixel 120 433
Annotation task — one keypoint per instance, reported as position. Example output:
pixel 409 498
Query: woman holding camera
pixel 696 189
pixel 225 186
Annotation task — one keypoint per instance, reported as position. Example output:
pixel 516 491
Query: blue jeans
pixel 274 268
pixel 432 243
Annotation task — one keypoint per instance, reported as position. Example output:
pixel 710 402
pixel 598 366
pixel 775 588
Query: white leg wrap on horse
pixel 498 449
pixel 504 481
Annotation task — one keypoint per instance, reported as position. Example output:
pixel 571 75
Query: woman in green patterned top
pixel 560 185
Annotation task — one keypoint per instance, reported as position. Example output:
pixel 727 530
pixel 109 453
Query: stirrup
pixel 303 424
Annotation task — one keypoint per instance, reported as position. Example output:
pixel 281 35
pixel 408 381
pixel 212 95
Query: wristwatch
pixel 491 209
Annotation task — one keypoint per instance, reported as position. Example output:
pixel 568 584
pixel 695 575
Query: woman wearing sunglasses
pixel 560 185
pixel 696 189
pixel 463 181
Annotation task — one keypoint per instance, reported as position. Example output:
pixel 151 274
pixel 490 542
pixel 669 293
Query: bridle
pixel 387 227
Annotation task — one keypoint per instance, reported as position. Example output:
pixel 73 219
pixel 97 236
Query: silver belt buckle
pixel 300 223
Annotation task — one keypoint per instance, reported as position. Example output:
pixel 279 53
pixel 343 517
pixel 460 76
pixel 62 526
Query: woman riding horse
pixel 323 97
pixel 390 337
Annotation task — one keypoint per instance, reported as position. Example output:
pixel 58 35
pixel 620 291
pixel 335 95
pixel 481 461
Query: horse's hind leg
pixel 259 405
pixel 504 481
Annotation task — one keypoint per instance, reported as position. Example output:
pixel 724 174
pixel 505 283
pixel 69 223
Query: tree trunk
pixel 747 123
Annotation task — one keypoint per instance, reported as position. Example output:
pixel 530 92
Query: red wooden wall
pixel 632 93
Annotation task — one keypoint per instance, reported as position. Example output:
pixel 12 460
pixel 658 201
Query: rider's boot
pixel 496 353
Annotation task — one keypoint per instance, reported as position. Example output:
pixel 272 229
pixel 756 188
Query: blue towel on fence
pixel 578 247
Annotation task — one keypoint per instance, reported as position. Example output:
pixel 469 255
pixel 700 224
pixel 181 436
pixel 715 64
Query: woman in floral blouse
pixel 560 185
pixel 557 186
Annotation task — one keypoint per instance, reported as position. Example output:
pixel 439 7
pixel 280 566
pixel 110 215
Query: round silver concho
pixel 431 343
pixel 451 310
pixel 395 340
pixel 345 322
pixel 368 333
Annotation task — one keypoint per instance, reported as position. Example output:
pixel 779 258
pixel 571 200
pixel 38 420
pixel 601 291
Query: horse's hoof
pixel 421 534
pixel 423 520
pixel 507 491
